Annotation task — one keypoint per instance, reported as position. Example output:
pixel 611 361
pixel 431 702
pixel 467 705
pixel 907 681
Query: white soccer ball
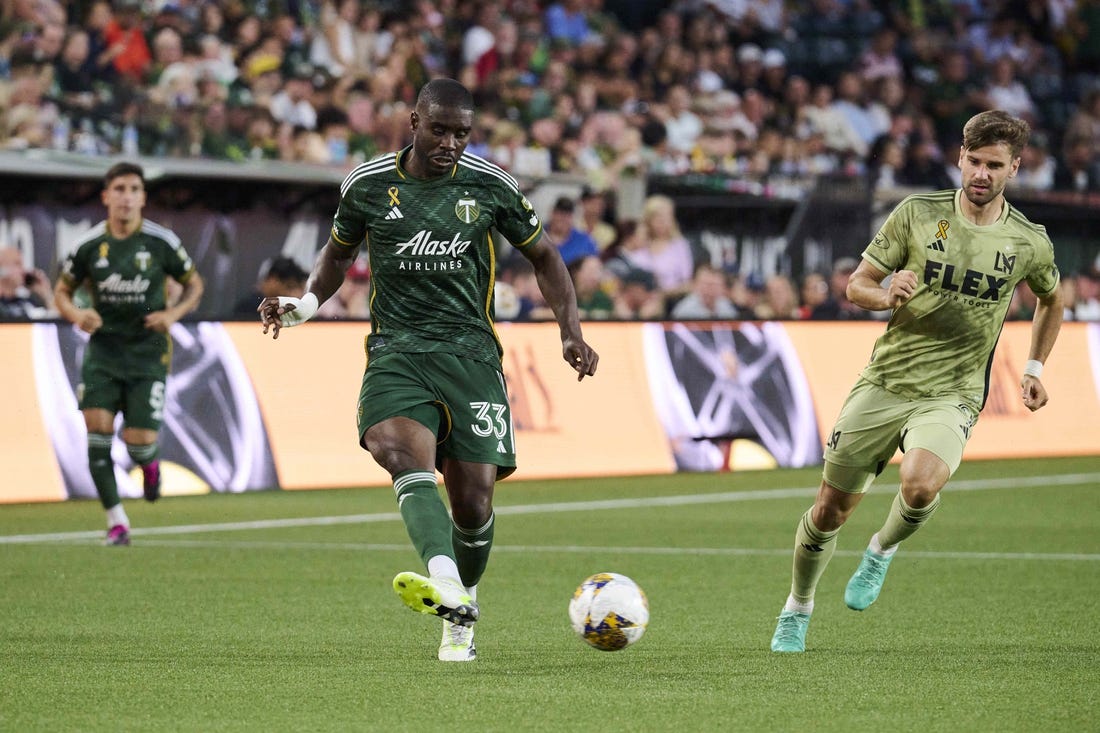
pixel 609 611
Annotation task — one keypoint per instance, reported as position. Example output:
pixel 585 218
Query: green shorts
pixel 463 401
pixel 875 422
pixel 139 397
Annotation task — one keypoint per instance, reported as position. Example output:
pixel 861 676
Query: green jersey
pixel 431 249
pixel 127 280
pixel 941 341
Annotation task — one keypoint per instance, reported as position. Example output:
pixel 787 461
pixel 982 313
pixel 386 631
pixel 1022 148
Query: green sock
pixel 472 547
pixel 425 515
pixel 812 551
pixel 103 468
pixel 143 455
pixel 903 520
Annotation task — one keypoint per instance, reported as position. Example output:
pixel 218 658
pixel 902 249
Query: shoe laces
pixel 459 635
pixel 789 628
pixel 874 565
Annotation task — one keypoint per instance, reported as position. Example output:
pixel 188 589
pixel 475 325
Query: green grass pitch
pixel 218 620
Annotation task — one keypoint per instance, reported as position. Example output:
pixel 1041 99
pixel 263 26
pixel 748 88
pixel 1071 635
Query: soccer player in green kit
pixel 956 257
pixel 126 260
pixel 433 393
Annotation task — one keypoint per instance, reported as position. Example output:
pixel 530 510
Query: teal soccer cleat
pixel 790 632
pixel 865 585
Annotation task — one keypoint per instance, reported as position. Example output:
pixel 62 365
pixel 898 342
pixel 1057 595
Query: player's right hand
pixel 89 320
pixel 902 286
pixel 284 311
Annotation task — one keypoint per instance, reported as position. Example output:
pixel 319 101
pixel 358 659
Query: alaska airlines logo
pixel 971 283
pixel 422 245
pixel 118 284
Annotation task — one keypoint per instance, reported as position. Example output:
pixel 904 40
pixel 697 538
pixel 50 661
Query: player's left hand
pixel 580 356
pixel 159 321
pixel 1034 393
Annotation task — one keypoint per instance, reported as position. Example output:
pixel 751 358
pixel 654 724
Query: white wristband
pixel 1034 368
pixel 304 308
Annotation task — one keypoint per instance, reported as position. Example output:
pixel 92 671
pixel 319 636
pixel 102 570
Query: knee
pixel 391 454
pixel 471 509
pixel 828 516
pixel 919 490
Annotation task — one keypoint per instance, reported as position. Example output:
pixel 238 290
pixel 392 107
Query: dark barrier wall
pixel 232 218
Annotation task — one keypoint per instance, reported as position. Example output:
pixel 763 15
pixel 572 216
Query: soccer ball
pixel 609 611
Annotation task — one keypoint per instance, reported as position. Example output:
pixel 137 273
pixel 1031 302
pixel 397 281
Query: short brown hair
pixel 123 169
pixel 996 126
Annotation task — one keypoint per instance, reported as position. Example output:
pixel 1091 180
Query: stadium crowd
pixel 762 89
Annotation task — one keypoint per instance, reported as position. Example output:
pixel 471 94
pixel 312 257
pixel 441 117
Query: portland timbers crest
pixel 467 210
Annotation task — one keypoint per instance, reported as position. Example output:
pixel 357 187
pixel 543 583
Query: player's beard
pixel 983 198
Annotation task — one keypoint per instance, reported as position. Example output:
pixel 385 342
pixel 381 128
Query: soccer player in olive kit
pixel 433 393
pixel 126 261
pixel 956 258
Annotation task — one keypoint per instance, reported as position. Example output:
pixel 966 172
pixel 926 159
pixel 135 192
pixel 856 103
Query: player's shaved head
pixel 444 93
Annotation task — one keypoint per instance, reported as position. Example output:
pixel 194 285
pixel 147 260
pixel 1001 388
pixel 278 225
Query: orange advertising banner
pixel 834 354
pixel 308 384
pixel 666 397
pixel 30 469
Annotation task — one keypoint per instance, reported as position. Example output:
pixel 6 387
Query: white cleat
pixel 457 644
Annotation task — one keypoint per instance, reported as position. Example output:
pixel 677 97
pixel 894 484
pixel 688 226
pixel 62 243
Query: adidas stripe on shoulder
pixel 381 164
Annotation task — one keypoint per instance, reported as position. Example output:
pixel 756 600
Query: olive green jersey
pixel 431 249
pixel 127 279
pixel 941 341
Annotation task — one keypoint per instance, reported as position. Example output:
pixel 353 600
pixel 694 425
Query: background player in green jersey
pixel 433 394
pixel 126 262
pixel 956 257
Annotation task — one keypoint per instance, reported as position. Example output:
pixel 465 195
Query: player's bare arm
pixel 557 287
pixel 87 320
pixel 327 276
pixel 161 321
pixel 865 287
pixel 1044 332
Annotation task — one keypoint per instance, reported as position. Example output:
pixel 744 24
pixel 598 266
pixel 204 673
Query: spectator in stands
pixel 588 276
pixel 1037 165
pixel 667 253
pixel 836 306
pixel 593 218
pixel 126 46
pixel 352 298
pixel 567 21
pixel 1079 169
pixel 639 298
pixel 1004 90
pixel 573 244
pixel 1085 122
pixel 778 301
pixel 708 299
pixel 293 104
pixel 278 276
pixel 333 46
pixel 1086 306
pixel 24 294
pixel 813 291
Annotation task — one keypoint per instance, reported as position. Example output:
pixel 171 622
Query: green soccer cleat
pixel 441 597
pixel 866 584
pixel 790 632
pixel 457 644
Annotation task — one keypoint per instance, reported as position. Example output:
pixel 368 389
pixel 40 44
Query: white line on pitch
pixel 1071 479
pixel 603 551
